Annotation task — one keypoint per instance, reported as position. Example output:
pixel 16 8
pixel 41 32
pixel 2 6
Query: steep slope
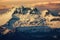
pixel 5 17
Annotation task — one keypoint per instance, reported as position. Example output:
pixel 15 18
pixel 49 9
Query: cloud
pixel 28 0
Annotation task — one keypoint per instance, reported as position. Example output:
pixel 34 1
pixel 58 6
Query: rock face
pixel 24 16
pixel 51 19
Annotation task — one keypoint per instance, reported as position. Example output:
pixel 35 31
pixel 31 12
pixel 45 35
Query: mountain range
pixel 15 17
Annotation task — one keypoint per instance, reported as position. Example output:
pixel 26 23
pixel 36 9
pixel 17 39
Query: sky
pixel 28 0
pixel 25 2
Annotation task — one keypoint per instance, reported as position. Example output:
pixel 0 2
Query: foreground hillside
pixel 32 33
